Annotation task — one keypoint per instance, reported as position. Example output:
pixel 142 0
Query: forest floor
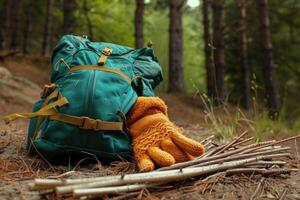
pixel 21 80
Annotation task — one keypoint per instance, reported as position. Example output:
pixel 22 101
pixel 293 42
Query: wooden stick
pixel 238 157
pixel 207 139
pixel 206 144
pixel 280 163
pixel 274 143
pixel 261 184
pixel 243 141
pixel 259 171
pixel 39 184
pixel 151 177
pixel 231 143
pixel 107 190
pixel 283 195
pixel 287 139
pixel 213 151
pixel 126 196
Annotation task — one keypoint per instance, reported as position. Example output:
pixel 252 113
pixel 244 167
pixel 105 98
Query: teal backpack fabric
pixel 95 94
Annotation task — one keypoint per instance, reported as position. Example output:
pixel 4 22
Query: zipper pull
pixel 104 54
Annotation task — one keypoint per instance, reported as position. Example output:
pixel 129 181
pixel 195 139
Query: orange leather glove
pixel 156 141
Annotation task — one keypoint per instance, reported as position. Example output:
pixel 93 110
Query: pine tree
pixel 175 47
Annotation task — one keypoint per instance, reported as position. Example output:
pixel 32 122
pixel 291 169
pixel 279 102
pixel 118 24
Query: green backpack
pixel 83 110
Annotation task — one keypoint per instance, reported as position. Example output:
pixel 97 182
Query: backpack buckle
pixel 48 89
pixel 90 124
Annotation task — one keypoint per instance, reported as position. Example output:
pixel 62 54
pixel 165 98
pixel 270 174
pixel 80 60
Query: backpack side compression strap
pixel 88 123
pixel 45 111
pixel 48 110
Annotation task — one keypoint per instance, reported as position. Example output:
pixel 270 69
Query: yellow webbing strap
pixel 40 119
pixel 88 123
pixel 105 52
pixel 102 68
pixel 48 89
pixel 45 111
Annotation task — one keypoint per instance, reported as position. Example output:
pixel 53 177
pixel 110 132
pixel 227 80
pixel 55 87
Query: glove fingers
pixel 160 157
pixel 188 145
pixel 169 146
pixel 144 163
pixel 190 156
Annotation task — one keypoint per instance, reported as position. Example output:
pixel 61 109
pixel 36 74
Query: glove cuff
pixel 145 106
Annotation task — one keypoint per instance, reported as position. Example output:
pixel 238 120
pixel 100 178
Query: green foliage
pixel 113 21
pixel 194 71
pixel 156 24
pixel 284 17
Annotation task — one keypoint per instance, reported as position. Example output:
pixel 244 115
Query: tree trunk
pixel 175 47
pixel 3 24
pixel 48 23
pixel 210 71
pixel 88 20
pixel 27 25
pixel 69 7
pixel 243 49
pixel 269 73
pixel 14 23
pixel 138 22
pixel 218 44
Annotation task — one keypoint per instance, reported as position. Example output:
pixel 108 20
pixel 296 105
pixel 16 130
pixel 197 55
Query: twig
pixel 207 139
pixel 243 156
pixel 107 190
pixel 231 143
pixel 283 195
pixel 255 194
pixel 126 196
pixel 259 171
pixel 229 153
pixel 64 175
pixel 273 143
pixel 270 163
pixel 296 148
pixel 213 151
pixel 243 141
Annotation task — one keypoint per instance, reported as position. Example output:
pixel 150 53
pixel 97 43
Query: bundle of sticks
pixel 238 156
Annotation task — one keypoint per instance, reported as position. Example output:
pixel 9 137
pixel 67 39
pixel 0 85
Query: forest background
pixel 251 48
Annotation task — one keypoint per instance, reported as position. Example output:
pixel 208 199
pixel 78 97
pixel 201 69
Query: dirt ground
pixel 20 83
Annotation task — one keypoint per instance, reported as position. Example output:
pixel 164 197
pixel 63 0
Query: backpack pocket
pixel 150 73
